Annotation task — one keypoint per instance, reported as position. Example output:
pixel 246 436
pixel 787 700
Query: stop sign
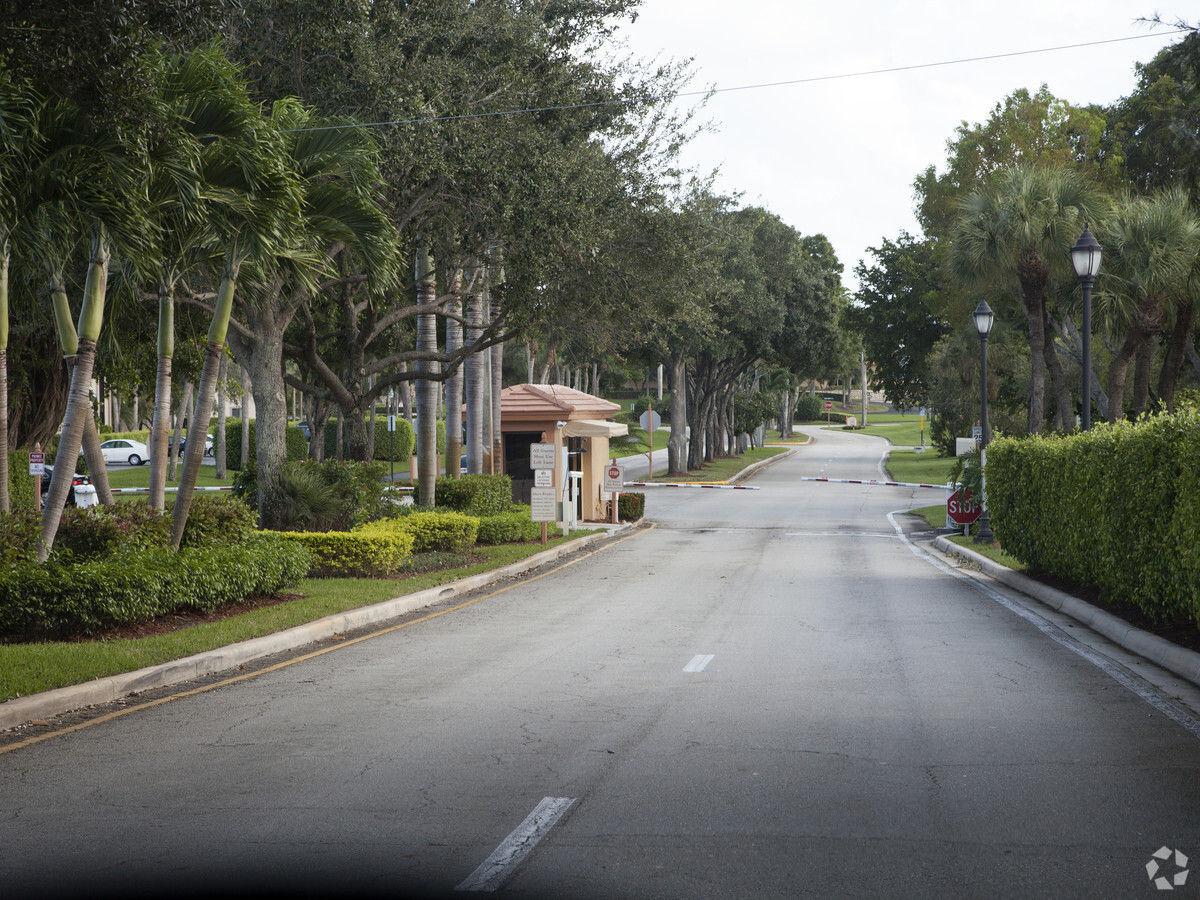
pixel 962 508
pixel 829 404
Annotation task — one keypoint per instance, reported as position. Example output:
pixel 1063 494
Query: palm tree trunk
pixel 454 384
pixel 185 403
pixel 1064 405
pixel 219 456
pixel 497 384
pixel 4 261
pixel 79 403
pixel 198 425
pixel 245 423
pixel 677 443
pixel 475 366
pixel 1141 377
pixel 427 467
pixel 161 422
pixel 1117 374
pixel 1177 344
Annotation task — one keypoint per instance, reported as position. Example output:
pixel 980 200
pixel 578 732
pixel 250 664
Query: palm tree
pixel 1018 231
pixel 1151 245
pixel 427 467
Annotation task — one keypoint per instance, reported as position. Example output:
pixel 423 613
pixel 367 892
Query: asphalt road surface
pixel 771 693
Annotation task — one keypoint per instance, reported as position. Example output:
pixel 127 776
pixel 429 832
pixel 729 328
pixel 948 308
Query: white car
pixel 123 450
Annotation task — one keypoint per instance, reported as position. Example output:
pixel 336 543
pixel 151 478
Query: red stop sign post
pixel 828 407
pixel 962 508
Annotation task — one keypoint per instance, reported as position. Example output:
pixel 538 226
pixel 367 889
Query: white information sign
pixel 614 479
pixel 36 459
pixel 541 456
pixel 543 478
pixel 543 506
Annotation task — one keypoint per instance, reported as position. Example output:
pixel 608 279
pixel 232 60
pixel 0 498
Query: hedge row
pixel 512 527
pixel 475 495
pixel 354 554
pixel 82 598
pixel 446 531
pixel 399 445
pixel 1117 507
pixel 297 444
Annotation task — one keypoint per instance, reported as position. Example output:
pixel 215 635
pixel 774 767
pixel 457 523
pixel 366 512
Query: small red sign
pixel 829 404
pixel 962 508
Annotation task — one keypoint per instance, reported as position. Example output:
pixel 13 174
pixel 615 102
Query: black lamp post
pixel 1085 256
pixel 984 317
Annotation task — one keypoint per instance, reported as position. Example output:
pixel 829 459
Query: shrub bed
pixel 512 527
pixel 631 506
pixel 432 531
pixel 57 599
pixel 475 495
pixel 356 554
pixel 1117 507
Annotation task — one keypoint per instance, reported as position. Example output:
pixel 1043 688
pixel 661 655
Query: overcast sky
pixel 839 156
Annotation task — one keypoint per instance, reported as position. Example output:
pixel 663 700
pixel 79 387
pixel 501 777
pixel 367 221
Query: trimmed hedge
pixel 405 441
pixel 1117 507
pixel 631 506
pixel 354 554
pixel 512 527
pixel 445 531
pixel 294 440
pixel 475 495
pixel 83 598
pixel 20 482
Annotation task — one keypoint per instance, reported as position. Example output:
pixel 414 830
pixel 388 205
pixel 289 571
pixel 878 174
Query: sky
pixel 839 156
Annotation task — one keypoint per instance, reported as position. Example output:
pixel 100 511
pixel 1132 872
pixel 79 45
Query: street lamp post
pixel 984 317
pixel 1085 256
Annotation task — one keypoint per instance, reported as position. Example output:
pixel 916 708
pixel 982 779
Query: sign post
pixel 37 468
pixel 828 407
pixel 962 508
pixel 614 480
pixel 542 498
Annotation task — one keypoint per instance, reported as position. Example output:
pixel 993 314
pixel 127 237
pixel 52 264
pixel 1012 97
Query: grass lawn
pixel 636 442
pixel 33 667
pixel 925 468
pixel 139 477
pixel 724 468
pixel 903 434
pixel 936 517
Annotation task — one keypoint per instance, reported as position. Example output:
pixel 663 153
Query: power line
pixel 750 87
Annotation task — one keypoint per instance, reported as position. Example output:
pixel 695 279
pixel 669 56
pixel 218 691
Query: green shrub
pixel 512 527
pixel 58 599
pixel 809 408
pixel 341 554
pixel 475 495
pixel 405 439
pixel 20 482
pixel 1115 507
pixel 20 536
pixel 432 531
pixel 294 441
pixel 631 506
pixel 101 531
pixel 399 445
pixel 217 519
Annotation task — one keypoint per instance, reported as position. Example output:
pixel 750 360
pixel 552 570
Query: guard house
pixel 555 414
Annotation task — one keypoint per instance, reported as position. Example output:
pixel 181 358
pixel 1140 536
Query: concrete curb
pixel 47 704
pixel 762 464
pixel 1179 660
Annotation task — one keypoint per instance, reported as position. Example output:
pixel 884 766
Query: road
pixel 771 693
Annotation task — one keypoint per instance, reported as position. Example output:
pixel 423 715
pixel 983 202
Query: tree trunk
pixel 245 435
pixel 677 443
pixel 219 456
pixel 1173 359
pixel 4 261
pixel 497 384
pixel 160 422
pixel 1064 404
pixel 193 456
pixel 475 372
pixel 1141 377
pixel 427 390
pixel 270 419
pixel 79 405
pixel 454 384
pixel 185 404
pixel 1117 373
pixel 1032 273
